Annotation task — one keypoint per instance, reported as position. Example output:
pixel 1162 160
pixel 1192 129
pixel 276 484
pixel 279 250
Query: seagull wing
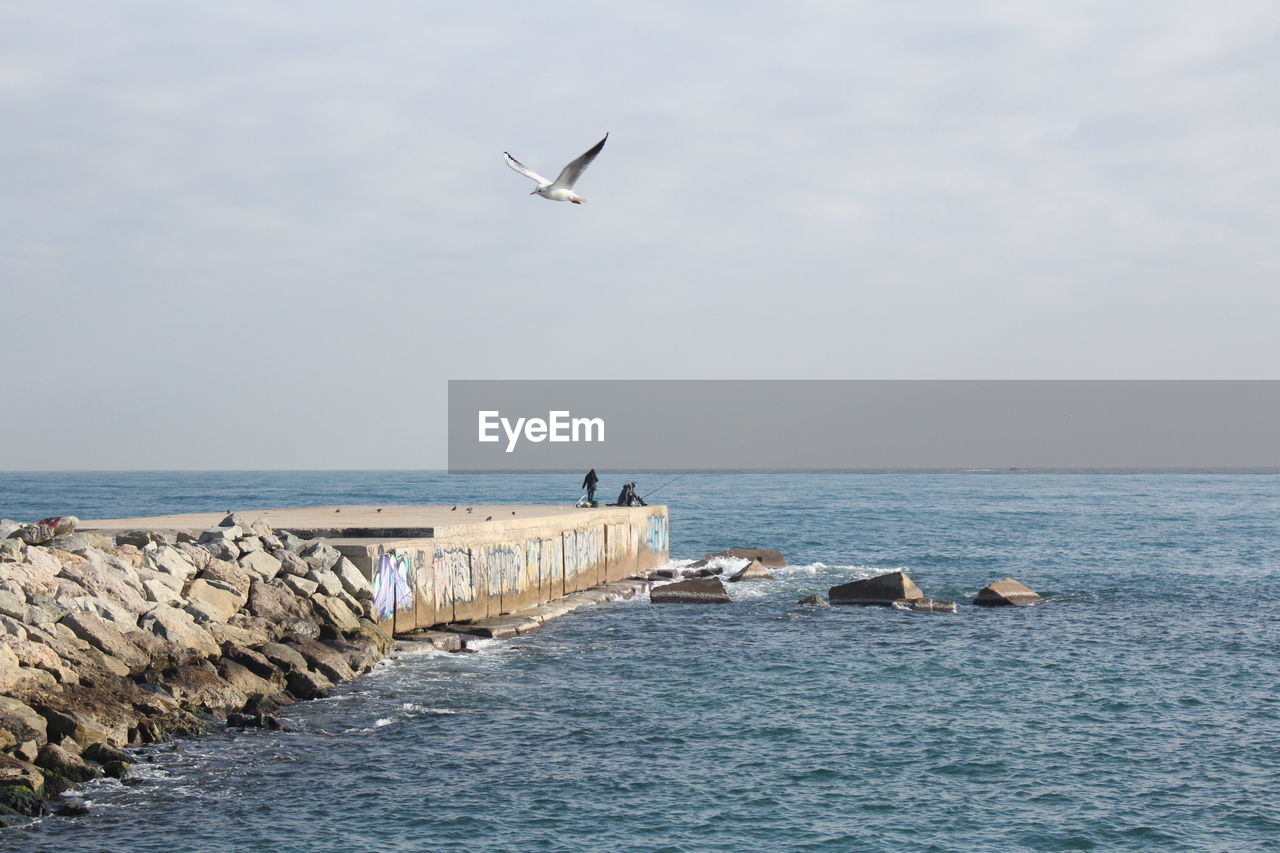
pixel 524 170
pixel 569 174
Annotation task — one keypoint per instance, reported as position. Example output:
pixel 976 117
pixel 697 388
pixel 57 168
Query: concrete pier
pixel 432 565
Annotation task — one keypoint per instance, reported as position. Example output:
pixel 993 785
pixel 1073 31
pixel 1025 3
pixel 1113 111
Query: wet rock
pixel 444 641
pixel 122 770
pixel 882 590
pixel 198 685
pixel 1006 592
pixel 767 557
pixel 930 605
pixel 753 571
pixel 308 685
pixel 324 659
pixel 103 753
pixel 813 601
pixel 54 759
pixel 71 807
pixel 694 591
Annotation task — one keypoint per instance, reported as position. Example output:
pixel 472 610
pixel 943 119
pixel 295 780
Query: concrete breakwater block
pixel 1006 592
pixel 753 571
pixel 767 557
pixel 882 590
pixel 928 605
pixel 693 591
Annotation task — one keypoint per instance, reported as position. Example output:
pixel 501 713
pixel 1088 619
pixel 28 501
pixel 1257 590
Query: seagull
pixel 561 189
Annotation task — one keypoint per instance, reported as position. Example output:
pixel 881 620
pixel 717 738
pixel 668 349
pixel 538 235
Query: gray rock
pixel 249 544
pixel 213 600
pixel 352 580
pixel 235 519
pixel 320 556
pixel 11 604
pixel 80 540
pixel 221 534
pixel 302 587
pixel 11 550
pixel 882 590
pixel 326 580
pixel 170 560
pixel 270 541
pixel 261 528
pixel 1006 592
pixel 180 629
pixel 693 591
pixel 291 542
pixel 291 563
pixel 196 555
pixel 31 726
pixel 265 566
pixel 285 658
pixel 337 614
pixel 223 549
pixel 103 636
pixel 8 527
pixel 143 538
pixel 278 607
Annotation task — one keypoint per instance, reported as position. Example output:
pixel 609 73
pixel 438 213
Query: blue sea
pixel 1137 709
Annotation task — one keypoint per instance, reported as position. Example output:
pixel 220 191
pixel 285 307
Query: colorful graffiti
pixel 393 584
pixel 656 533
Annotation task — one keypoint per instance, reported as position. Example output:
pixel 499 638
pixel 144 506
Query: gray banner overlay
pixel 856 424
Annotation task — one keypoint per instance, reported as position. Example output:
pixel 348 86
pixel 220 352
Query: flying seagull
pixel 561 189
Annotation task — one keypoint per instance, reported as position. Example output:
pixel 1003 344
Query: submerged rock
pixel 882 590
pixel 693 591
pixel 931 605
pixel 813 601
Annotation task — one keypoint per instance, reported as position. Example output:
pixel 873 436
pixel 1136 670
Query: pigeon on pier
pixel 488 518
pixel 561 189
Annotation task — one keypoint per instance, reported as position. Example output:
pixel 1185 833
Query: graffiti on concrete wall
pixel 451 564
pixel 655 538
pixel 504 567
pixel 393 583
pixel 584 549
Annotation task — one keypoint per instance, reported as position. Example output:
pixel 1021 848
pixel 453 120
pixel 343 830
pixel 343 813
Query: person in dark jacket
pixel 589 483
pixel 628 496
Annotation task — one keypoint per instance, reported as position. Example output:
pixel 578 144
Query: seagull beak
pixel 535 192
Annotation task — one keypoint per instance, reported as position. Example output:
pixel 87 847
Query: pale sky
pixel 264 235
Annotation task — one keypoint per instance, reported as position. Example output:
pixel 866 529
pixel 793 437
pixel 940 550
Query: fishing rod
pixel 664 485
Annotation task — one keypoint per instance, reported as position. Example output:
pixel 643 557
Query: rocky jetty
pixel 109 642
pixel 1006 592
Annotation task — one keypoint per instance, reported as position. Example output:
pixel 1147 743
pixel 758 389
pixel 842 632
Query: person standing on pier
pixel 589 483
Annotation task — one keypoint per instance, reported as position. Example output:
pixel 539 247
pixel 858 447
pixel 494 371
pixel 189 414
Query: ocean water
pixel 1138 709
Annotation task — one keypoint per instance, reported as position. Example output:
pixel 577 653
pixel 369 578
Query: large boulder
pixel 753 571
pixel 275 604
pixel 65 763
pixel 104 636
pixel 882 590
pixel 321 555
pixel 46 528
pixel 353 581
pixel 22 721
pixel 180 629
pixel 694 591
pixel 1006 592
pixel 263 565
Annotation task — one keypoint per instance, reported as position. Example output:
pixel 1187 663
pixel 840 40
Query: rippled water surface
pixel 1136 710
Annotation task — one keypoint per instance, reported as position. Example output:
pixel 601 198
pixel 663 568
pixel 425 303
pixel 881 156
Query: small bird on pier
pixel 488 518
pixel 561 189
pixel 338 510
pixel 379 509
pixel 468 509
pixel 452 508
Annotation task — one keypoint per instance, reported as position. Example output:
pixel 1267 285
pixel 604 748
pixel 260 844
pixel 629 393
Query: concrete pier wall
pixel 475 571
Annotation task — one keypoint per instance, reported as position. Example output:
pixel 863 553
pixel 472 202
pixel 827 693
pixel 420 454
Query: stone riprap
pixel 121 643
